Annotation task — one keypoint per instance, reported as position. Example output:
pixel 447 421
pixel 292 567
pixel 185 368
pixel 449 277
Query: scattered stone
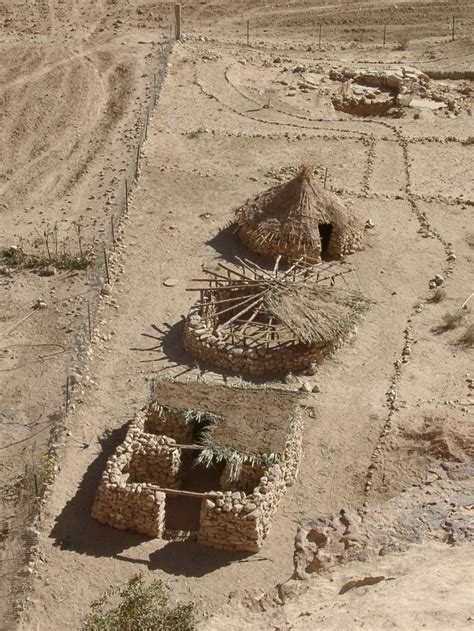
pixel 106 290
pixel 170 282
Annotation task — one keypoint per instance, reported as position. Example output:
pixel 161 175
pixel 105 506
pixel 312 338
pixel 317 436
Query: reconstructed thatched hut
pixel 299 218
pixel 254 321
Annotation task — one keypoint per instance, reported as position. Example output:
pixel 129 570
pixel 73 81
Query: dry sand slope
pixel 73 83
pixel 429 587
pixel 72 90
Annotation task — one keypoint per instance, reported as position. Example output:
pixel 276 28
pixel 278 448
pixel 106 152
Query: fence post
pixel 320 31
pixel 248 32
pixel 452 33
pixel 106 268
pixel 67 393
pixel 113 229
pixel 89 322
pixel 384 34
pixel 177 16
pixel 126 195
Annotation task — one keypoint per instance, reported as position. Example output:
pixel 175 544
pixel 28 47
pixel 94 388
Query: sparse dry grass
pixel 452 319
pixel 403 44
pixel 439 295
pixel 467 338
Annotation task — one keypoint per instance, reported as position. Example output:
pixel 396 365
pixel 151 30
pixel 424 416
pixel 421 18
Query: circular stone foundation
pixel 200 341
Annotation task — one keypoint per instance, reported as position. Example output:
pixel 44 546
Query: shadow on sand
pixel 76 530
pixel 185 558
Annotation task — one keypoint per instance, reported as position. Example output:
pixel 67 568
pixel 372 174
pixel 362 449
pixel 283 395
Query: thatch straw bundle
pixel 287 219
pixel 315 314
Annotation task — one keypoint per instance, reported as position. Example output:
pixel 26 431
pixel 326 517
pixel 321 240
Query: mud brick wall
pixel 201 343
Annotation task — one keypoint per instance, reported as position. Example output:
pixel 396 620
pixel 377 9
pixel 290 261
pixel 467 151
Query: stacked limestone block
pixel 204 344
pixel 346 242
pixel 164 421
pixel 236 521
pixel 155 462
pixel 248 479
pixel 134 506
pixel 128 496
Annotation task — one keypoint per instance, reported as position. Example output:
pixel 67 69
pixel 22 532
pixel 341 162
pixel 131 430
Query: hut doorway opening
pixel 325 232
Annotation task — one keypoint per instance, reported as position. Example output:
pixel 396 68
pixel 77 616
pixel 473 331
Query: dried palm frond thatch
pixel 315 314
pixel 287 219
pixel 300 305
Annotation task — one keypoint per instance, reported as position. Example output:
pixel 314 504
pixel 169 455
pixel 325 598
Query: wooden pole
pixel 320 31
pixel 384 34
pixel 325 177
pixel 113 229
pixel 106 266
pixel 177 17
pixel 89 320
pixel 126 195
pixel 67 393
pixel 248 32
pixel 452 33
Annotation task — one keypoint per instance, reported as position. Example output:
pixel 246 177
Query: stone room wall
pixel 236 521
pixel 130 496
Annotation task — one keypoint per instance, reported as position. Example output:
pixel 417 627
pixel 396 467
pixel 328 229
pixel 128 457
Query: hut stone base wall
pixel 340 244
pixel 202 344
pixel 129 495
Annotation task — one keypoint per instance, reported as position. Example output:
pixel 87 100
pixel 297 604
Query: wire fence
pixel 19 535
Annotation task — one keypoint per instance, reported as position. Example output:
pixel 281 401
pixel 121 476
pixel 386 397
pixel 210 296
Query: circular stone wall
pixel 200 342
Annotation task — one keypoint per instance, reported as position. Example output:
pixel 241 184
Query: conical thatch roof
pixel 285 219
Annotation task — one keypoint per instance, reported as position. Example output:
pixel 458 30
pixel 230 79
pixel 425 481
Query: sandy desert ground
pixel 231 120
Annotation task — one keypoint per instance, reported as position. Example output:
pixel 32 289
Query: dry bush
pixel 403 44
pixel 470 240
pixel 439 295
pixel 51 247
pixel 467 338
pixel 452 319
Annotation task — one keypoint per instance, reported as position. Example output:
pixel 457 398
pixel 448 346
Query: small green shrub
pixel 139 607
